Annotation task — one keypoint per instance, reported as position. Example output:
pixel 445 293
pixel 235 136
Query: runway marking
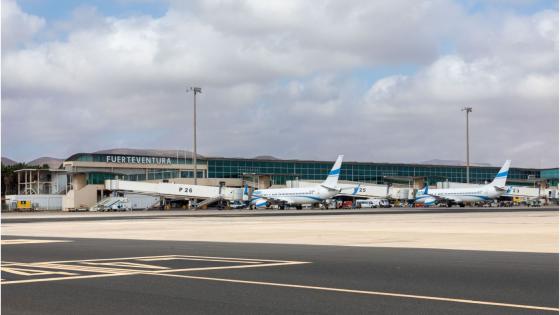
pixel 201 259
pixel 171 257
pixel 107 267
pixel 30 241
pixel 82 268
pixel 65 278
pixel 380 293
pixel 92 266
pixel 127 264
pixel 34 272
pixel 230 267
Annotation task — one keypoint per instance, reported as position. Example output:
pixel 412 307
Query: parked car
pixel 373 203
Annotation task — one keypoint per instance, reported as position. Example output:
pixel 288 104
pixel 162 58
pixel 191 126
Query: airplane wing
pixel 501 188
pixel 442 198
pixel 269 199
pixel 348 191
pixel 437 197
pixel 330 188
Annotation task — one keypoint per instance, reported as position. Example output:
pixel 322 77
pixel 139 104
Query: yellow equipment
pixel 24 205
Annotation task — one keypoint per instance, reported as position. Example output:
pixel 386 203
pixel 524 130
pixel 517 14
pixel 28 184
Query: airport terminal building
pixel 95 168
pixel 86 172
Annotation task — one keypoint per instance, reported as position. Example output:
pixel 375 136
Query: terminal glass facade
pixel 551 175
pixel 118 167
pixel 280 171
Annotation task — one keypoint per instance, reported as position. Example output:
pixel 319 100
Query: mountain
pixel 149 152
pixel 7 161
pixel 53 163
pixel 452 163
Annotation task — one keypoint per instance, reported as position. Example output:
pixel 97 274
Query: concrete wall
pixel 84 197
pixel 40 202
pixel 401 193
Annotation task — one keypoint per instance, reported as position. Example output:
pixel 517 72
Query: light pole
pixel 467 110
pixel 195 90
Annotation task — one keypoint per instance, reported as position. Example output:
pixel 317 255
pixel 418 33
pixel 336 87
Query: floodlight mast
pixel 467 110
pixel 195 90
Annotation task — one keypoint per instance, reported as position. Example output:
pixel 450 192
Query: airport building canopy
pixel 131 159
pixel 168 165
pixel 52 170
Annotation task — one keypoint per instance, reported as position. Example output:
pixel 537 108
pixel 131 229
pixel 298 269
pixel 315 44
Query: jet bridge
pixel 178 191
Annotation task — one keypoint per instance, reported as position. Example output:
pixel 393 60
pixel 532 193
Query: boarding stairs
pixel 208 201
pixel 111 203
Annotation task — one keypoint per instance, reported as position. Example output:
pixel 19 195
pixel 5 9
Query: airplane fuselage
pixel 459 195
pixel 292 196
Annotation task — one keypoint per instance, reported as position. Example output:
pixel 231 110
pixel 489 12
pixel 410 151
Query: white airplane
pixel 299 196
pixel 459 196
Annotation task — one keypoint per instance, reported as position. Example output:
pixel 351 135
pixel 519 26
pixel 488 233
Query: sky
pixel 378 81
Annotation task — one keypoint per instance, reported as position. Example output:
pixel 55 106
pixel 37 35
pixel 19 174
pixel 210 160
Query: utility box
pixel 24 205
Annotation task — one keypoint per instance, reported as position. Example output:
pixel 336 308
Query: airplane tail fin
pixel 424 190
pixel 356 189
pixel 246 192
pixel 501 177
pixel 332 179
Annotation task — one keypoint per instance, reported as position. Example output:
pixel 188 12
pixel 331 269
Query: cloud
pixel 511 110
pixel 18 27
pixel 280 79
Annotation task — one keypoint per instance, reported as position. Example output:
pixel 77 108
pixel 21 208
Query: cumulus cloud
pixel 18 27
pixel 281 79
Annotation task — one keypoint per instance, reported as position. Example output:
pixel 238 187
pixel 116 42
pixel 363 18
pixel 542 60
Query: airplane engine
pixel 262 203
pixel 430 201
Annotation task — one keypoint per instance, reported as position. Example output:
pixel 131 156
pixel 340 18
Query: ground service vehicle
pixel 373 203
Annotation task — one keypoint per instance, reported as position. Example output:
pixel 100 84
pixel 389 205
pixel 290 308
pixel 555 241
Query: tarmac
pixel 462 262
pixel 108 276
pixel 519 231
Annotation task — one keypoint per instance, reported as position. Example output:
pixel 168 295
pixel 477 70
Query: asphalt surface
pixel 299 279
pixel 59 216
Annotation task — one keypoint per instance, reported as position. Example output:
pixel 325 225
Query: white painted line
pixel 79 265
pixel 201 259
pixel 236 259
pixel 230 267
pixel 83 268
pixel 391 294
pixel 168 257
pixel 30 241
pixel 65 278
pixel 126 264
pixel 157 259
pixel 34 272
pixel 94 260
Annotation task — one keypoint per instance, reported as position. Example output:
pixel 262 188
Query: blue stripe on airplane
pixel 449 197
pixel 334 172
pixel 280 197
pixel 502 174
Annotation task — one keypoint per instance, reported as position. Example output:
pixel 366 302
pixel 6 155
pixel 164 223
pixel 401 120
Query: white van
pixel 373 203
